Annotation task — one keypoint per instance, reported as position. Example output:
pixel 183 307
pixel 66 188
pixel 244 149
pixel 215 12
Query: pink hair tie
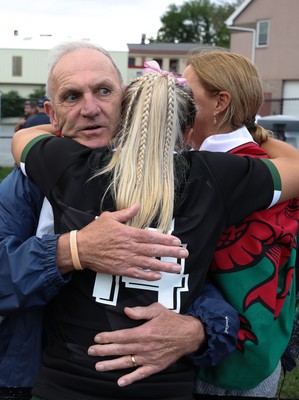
pixel 153 66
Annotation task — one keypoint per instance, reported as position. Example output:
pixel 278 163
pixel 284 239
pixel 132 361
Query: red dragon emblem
pixel 266 235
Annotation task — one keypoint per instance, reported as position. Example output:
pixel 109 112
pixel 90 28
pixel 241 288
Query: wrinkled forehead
pixel 84 66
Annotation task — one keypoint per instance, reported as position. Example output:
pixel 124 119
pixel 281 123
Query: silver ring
pixel 133 361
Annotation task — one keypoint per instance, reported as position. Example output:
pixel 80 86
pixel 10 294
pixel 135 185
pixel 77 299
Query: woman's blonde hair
pixel 156 113
pixel 224 71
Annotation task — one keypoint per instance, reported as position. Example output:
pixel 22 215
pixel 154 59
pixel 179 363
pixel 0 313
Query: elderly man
pixel 85 89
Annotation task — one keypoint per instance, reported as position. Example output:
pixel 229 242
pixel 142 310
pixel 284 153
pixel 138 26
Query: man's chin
pixel 95 142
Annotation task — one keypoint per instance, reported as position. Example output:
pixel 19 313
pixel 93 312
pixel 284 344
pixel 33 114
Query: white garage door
pixel 291 91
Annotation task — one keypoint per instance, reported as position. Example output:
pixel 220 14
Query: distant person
pixel 41 117
pixel 30 109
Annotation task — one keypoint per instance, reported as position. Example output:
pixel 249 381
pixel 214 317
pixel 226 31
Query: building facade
pixel 267 32
pixel 24 63
pixel 170 56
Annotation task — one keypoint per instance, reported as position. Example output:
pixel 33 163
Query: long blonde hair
pixel 156 113
pixel 225 71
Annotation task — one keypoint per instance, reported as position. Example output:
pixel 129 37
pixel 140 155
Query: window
pixel 159 61
pixel 16 66
pixel 131 61
pixel 174 65
pixel 263 33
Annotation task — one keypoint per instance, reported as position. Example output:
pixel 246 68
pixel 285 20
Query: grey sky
pixel 112 23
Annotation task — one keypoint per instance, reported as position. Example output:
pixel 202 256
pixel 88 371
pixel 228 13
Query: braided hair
pixel 156 114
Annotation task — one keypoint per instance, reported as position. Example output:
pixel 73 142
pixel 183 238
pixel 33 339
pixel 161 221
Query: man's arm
pixel 32 274
pixel 28 273
pixel 206 335
pixel 117 249
pixel 156 344
pixel 108 246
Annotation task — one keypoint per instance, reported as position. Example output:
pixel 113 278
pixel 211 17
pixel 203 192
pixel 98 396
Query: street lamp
pixel 253 31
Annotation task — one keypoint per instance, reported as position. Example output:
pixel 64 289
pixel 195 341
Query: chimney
pixel 143 36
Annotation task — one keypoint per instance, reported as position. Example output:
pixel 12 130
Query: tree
pixel 38 93
pixel 12 104
pixel 196 21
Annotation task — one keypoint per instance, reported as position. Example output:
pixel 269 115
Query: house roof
pixel 153 47
pixel 237 12
pixel 168 48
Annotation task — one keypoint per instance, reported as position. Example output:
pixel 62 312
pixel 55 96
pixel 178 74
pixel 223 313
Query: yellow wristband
pixel 74 251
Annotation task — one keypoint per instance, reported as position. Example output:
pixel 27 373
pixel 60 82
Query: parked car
pixel 284 127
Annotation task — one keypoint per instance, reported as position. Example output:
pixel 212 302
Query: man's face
pixel 87 95
pixel 28 110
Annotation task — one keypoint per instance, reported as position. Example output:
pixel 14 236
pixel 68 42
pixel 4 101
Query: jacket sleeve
pixel 221 323
pixel 29 276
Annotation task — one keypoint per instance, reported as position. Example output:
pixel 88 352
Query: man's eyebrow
pixel 67 90
pixel 105 82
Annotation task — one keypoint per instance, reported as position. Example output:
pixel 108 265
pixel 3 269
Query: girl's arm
pixel 277 148
pixel 286 159
pixel 21 138
pixel 284 156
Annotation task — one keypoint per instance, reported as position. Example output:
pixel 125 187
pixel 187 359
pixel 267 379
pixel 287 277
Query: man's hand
pixel 164 338
pixel 109 246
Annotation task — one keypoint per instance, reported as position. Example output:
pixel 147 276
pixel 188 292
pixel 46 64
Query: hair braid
pixel 169 129
pixel 144 127
pixel 127 116
pixel 155 116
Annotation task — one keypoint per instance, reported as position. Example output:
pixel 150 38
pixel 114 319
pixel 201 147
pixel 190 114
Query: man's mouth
pixel 92 129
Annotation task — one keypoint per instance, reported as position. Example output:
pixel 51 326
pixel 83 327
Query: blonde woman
pixel 183 192
pixel 254 262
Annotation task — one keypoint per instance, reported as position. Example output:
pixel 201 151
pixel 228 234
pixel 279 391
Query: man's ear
pixel 224 99
pixel 50 112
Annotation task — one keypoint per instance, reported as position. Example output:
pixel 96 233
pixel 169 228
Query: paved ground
pixel 6 132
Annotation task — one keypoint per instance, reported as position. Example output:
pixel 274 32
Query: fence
pixel 287 106
pixel 6 133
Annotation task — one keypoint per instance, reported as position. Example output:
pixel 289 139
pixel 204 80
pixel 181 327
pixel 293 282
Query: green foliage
pixel 38 93
pixel 12 104
pixel 290 388
pixel 196 21
pixel 4 171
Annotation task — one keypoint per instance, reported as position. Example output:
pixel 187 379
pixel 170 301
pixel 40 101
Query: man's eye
pixel 71 97
pixel 104 91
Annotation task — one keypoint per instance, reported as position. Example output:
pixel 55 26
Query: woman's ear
pixel 188 140
pixel 224 99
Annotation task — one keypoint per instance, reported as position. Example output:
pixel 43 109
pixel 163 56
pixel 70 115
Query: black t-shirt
pixel 217 190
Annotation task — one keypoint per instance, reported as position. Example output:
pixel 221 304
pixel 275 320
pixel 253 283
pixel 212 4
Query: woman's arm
pixel 21 138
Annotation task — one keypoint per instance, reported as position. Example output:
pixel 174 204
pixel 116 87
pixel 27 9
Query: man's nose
pixel 90 106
